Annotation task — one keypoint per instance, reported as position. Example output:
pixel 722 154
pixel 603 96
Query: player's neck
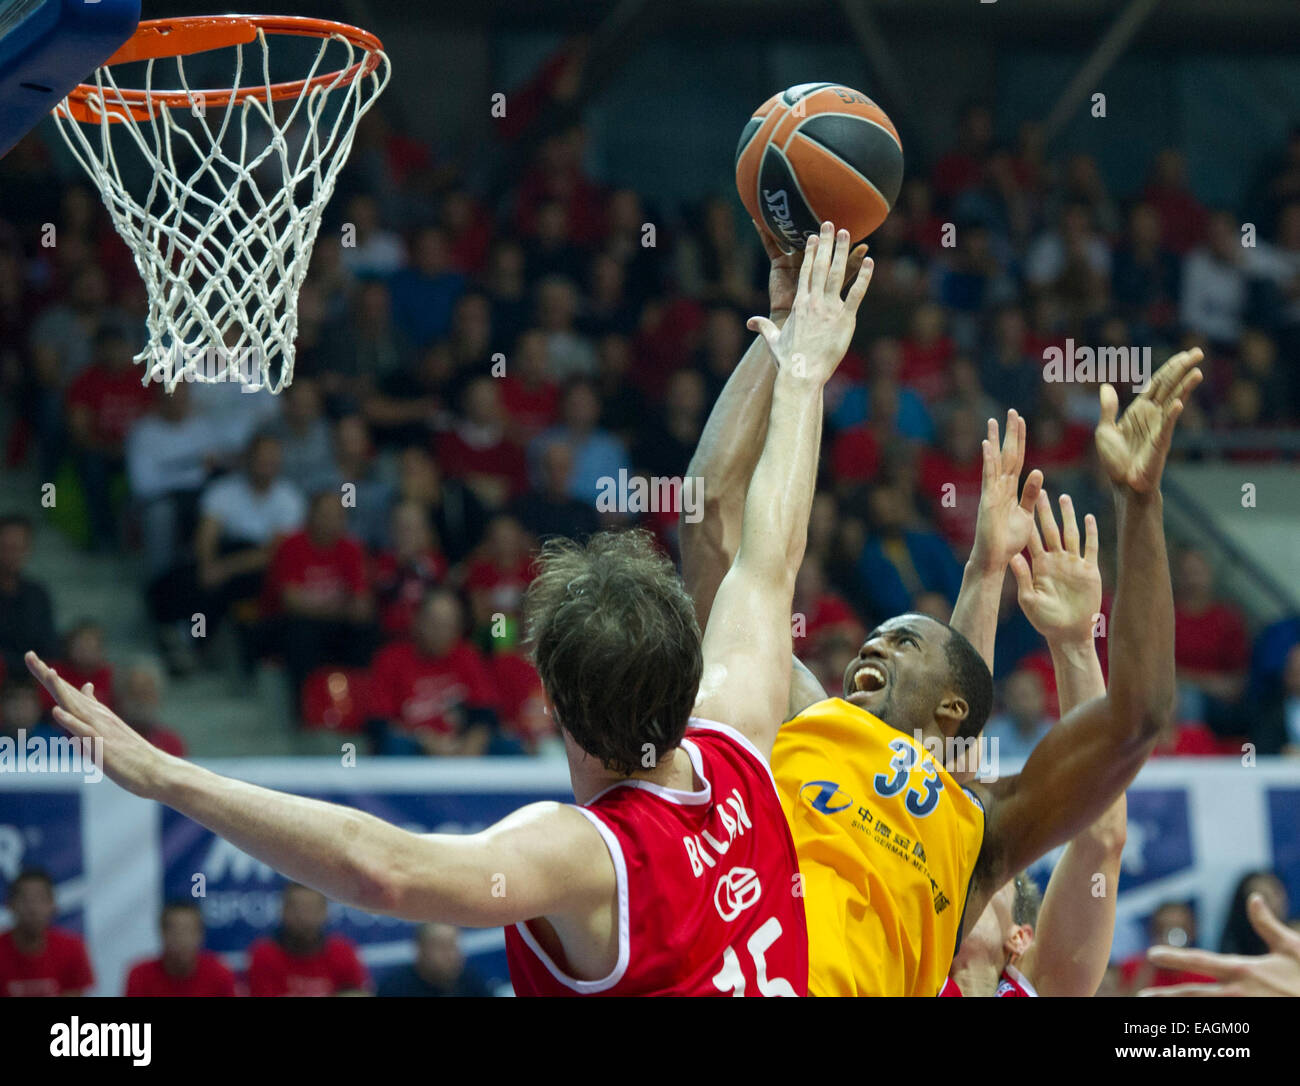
pixel 589 778
pixel 977 978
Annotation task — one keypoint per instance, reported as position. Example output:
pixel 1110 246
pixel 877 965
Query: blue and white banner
pixel 1194 828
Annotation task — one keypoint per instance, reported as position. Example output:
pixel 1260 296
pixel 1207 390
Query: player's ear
pixel 1020 939
pixel 952 713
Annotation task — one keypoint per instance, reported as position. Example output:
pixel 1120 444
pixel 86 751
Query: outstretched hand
pixel 129 759
pixel 1006 514
pixel 1276 973
pixel 1133 448
pixel 783 278
pixel 1061 593
pixel 813 340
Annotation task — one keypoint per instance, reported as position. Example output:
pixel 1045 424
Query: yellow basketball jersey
pixel 887 841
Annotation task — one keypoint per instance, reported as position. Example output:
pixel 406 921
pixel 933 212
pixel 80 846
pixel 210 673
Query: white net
pixel 221 204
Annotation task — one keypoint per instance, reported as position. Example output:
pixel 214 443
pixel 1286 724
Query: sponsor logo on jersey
pixel 736 891
pixel 826 796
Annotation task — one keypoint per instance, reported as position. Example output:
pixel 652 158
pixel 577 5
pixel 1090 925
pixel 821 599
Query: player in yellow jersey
pixel 896 852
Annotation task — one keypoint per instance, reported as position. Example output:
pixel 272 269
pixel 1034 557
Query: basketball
pixel 814 152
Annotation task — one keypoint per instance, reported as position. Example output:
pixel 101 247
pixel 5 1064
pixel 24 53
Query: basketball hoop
pixel 234 181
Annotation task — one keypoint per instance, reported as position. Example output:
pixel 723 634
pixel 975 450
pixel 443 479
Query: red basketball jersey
pixel 710 902
pixel 1012 983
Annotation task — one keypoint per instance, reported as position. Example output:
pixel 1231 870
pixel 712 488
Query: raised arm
pixel 747 642
pixel 1084 763
pixel 1003 528
pixel 544 860
pixel 1076 923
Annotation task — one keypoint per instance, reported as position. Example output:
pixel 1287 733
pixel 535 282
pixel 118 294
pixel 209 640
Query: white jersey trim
pixel 741 740
pixel 672 795
pixel 1022 980
pixel 590 987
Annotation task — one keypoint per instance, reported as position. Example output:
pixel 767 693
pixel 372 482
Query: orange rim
pixel 156 39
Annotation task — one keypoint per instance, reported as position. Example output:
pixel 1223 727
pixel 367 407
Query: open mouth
pixel 869 678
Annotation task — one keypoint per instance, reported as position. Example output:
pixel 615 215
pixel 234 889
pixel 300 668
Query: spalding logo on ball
pixel 814 152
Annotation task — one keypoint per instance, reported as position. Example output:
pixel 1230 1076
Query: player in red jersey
pixel 676 873
pixel 184 969
pixel 1054 944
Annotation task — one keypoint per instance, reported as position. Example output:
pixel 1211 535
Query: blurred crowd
pixel 470 377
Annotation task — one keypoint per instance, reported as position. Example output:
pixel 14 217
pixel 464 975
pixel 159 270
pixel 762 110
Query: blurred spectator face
pixel 1144 226
pixel 302 404
pixel 471 323
pixel 1224 240
pixel 888 509
pixel 961 436
pixel 1081 174
pixel 917 198
pixel 20 706
pixel 507 272
pixel 1025 699
pixel 352 439
pixel 821 524
pixel 1173 924
pixel 809 584
pixel 327 521
pixel 438 627
pixel 457 211
pixel 624 212
pixel 411 532
pixel 1195 575
pixel 1076 223
pixel 303 913
pixel 264 461
pixel 86 647
pixel 182 937
pixel 431 255
pixel 685 393
pixel 718 221
pixel 419 479
pixel 363 213
pixel 32 905
pixel 530 356
pixel 606 278
pixel 1010 330
pixel 557 304
pixel 557 468
pixel 1245 403
pixel 505 540
pixel 977 127
pixel 438 957
pixel 374 306
pixel 1170 169
pixel 552 224
pixel 581 408
pixel 965 378
pixel 482 404
pixel 1257 352
pixel 886 358
pixel 142 696
pixel 927 323
pixel 933 604
pixel 614 356
pixel 15 545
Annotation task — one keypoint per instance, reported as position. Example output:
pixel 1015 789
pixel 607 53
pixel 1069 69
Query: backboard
pixel 47 47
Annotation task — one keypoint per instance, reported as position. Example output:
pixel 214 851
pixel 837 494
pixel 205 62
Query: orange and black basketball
pixel 819 151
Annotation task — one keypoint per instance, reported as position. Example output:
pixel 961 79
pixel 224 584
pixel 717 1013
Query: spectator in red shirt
pixel 950 478
pixel 1172 924
pixel 184 967
pixel 84 662
pixel 1211 649
pixel 301 959
pixel 478 452
pixel 433 694
pixel 528 395
pixel 142 694
pixel 926 352
pixel 104 401
pixel 495 581
pixel 405 573
pixel 963 167
pixel 35 958
pixel 316 596
pixel 526 726
pixel 1183 217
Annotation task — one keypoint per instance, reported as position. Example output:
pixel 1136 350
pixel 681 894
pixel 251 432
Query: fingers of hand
pixel 1023 574
pixel 822 260
pixel 1051 534
pixel 1109 404
pixel 1069 525
pixel 764 328
pixel 1033 487
pixel 839 263
pixel 1090 540
pixel 1171 374
pixel 859 288
pixel 1276 934
pixel 806 268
